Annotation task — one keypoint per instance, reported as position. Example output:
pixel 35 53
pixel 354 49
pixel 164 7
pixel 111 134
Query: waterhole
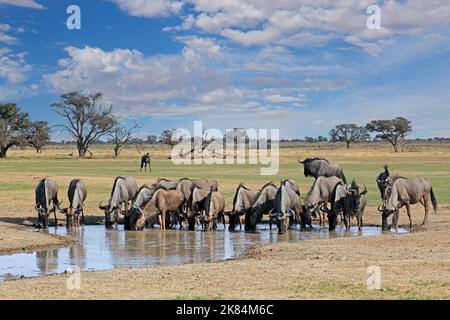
pixel 99 249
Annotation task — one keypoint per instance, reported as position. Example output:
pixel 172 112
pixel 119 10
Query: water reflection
pixel 98 249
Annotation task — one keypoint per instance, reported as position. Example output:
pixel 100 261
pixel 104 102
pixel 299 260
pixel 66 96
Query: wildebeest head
pixel 72 216
pixel 383 182
pixel 108 211
pixel 134 220
pixel 282 212
pixel 353 197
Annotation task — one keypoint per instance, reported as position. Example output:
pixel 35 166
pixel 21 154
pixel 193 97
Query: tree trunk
pixel 116 151
pixel 4 150
pixel 348 144
pixel 81 149
pixel 395 147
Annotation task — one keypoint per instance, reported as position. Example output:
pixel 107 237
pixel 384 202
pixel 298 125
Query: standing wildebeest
pixel 243 200
pixel 320 194
pixel 143 196
pixel 162 202
pixel 46 194
pixel 263 205
pixel 320 167
pixel 146 161
pixel 214 206
pixel 383 180
pixel 349 199
pixel 287 207
pixel 77 194
pixel 405 192
pixel 124 189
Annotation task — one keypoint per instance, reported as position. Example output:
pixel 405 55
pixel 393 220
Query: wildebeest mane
pixel 114 185
pixel 71 191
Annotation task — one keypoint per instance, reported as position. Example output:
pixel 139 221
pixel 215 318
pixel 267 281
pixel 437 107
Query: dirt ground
pixel 413 266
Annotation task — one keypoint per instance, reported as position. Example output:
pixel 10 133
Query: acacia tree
pixel 348 133
pixel 85 118
pixel 394 131
pixel 13 125
pixel 37 135
pixel 120 137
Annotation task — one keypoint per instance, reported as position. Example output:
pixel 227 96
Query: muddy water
pixel 100 249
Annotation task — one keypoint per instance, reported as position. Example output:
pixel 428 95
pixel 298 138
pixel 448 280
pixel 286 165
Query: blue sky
pixel 295 65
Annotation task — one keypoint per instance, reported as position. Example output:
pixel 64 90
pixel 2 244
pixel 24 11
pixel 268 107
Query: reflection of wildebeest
pixel 319 195
pixel 243 200
pixel 351 201
pixel 405 192
pixel 161 203
pixel 46 194
pixel 146 161
pixel 263 205
pixel 214 207
pixel 287 207
pixel 320 167
pixel 124 189
pixel 77 194
pixel 143 196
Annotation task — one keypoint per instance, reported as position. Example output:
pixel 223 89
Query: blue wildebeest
pixel 124 190
pixel 166 184
pixel 186 187
pixel 243 200
pixel 320 167
pixel 146 160
pixel 46 193
pixel 402 192
pixel 162 202
pixel 351 201
pixel 263 205
pixel 214 210
pixel 318 197
pixel 288 208
pixel 143 196
pixel 77 194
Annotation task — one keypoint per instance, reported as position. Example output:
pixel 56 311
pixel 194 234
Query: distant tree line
pixel 88 121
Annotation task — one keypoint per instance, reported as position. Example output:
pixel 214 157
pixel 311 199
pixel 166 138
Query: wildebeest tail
pixel 433 200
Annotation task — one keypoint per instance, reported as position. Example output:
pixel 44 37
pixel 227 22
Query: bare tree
pixel 85 119
pixel 120 137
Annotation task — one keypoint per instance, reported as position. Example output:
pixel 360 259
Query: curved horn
pixel 324 208
pixel 302 162
pixel 380 210
pixel 365 189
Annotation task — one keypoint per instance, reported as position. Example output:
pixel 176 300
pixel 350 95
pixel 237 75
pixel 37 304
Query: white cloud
pixel 7 39
pixel 13 66
pixel 277 98
pixel 150 8
pixel 23 3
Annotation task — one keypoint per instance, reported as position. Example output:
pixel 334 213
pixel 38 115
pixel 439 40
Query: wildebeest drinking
pixel 46 193
pixel 319 195
pixel 124 190
pixel 77 194
pixel 243 200
pixel 264 204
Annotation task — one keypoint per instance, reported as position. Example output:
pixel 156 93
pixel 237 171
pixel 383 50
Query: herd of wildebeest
pixel 169 203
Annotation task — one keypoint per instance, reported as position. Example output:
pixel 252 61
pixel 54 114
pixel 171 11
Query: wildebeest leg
pixel 360 222
pixel 163 220
pixel 426 204
pixel 82 216
pixel 346 222
pixel 408 211
pixel 150 167
pixel 54 212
